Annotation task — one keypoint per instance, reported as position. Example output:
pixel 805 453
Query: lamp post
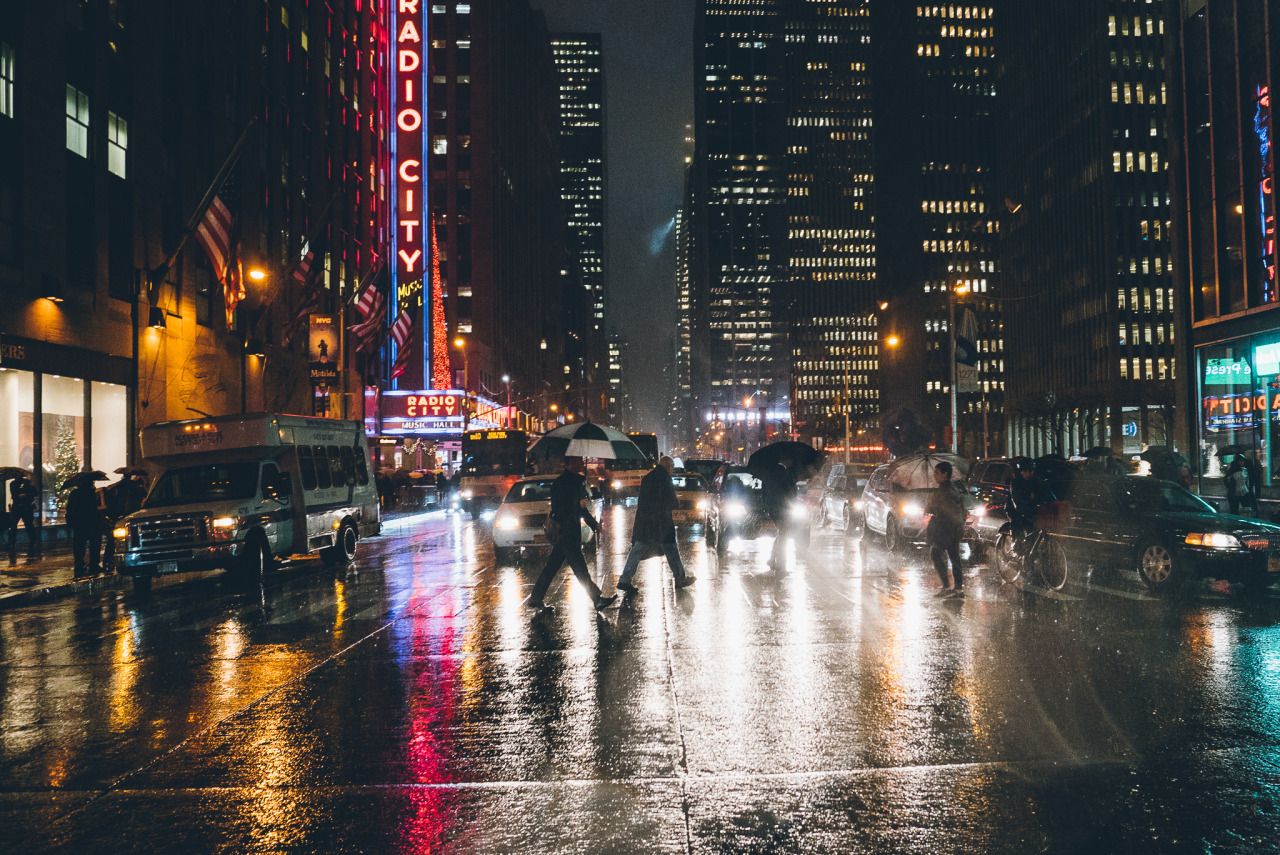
pixel 250 347
pixel 506 378
pixel 461 344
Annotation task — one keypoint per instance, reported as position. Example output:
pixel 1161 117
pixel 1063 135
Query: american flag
pixel 308 281
pixel 400 330
pixel 218 233
pixel 373 309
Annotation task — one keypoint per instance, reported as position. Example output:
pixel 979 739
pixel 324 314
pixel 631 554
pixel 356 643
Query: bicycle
pixel 1045 556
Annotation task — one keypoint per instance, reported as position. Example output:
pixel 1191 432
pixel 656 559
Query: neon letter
pixel 408 33
pixel 408 225
pixel 405 175
pixel 409 6
pixel 409 60
pixel 410 260
pixel 409 120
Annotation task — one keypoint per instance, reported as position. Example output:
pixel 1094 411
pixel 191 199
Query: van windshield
pixel 216 482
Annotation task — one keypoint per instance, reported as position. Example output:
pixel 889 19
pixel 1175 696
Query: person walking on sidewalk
pixel 654 532
pixel 85 517
pixel 22 508
pixel 946 526
pixel 568 511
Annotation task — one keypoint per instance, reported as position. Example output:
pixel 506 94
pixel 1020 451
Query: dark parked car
pixel 989 482
pixel 708 467
pixel 1169 535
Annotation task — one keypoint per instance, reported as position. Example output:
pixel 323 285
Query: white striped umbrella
pixel 586 440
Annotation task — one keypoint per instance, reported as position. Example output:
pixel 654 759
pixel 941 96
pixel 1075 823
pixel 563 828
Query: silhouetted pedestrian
pixel 85 517
pixel 568 512
pixel 654 532
pixel 779 491
pixel 946 527
pixel 22 509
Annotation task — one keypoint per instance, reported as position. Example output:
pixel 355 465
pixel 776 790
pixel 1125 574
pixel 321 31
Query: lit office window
pixel 8 61
pixel 117 144
pixel 77 121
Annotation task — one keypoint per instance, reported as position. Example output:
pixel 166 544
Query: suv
pixel 897 513
pixel 841 492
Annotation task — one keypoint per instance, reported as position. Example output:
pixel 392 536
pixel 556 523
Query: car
pixel 838 501
pixel 694 499
pixel 988 481
pixel 739 512
pixel 897 514
pixel 1167 534
pixel 521 519
pixel 708 467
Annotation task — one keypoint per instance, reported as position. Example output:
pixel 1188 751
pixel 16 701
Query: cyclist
pixel 1027 495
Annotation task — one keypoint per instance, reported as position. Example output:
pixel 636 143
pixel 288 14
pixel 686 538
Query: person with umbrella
pixel 654 532
pixel 86 519
pixel 779 488
pixel 947 515
pixel 22 509
pixel 568 511
pixel 118 501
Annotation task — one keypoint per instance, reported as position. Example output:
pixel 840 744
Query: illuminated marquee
pixel 1266 188
pixel 409 94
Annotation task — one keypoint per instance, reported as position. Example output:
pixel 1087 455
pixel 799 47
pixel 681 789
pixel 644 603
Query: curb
pixel 46 593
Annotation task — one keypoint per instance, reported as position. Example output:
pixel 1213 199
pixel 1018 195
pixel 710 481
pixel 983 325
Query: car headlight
pixel 912 509
pixel 224 522
pixel 979 511
pixel 617 485
pixel 467 494
pixel 798 511
pixel 507 522
pixel 121 533
pixel 858 504
pixel 1214 540
pixel 736 510
pixel 702 504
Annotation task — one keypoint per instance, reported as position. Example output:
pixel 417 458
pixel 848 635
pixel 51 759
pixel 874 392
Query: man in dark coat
pixel 779 489
pixel 568 511
pixel 947 515
pixel 85 517
pixel 22 508
pixel 653 532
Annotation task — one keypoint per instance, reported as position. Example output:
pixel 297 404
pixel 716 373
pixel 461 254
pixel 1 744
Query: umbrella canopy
pixel 915 471
pixel 1161 452
pixel 7 472
pixel 130 471
pixel 1233 448
pixel 90 476
pixel 1099 451
pixel 585 439
pixel 801 454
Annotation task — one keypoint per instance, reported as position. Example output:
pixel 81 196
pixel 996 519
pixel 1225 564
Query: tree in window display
pixel 66 464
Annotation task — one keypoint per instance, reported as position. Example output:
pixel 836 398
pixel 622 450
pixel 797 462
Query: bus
pixel 625 475
pixel 492 461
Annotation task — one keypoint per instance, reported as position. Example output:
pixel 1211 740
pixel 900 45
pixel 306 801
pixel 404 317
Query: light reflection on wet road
pixel 408 703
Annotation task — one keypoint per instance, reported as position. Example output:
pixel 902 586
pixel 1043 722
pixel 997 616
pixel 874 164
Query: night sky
pixel 648 58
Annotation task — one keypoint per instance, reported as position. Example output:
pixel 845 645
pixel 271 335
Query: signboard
pixel 1237 412
pixel 1266 191
pixel 422 412
pixel 1227 372
pixel 410 213
pixel 323 350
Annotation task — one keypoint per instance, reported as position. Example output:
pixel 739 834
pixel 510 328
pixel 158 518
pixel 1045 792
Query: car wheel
pixel 343 550
pixel 822 515
pixel 847 519
pixel 709 533
pixel 505 555
pixel 142 585
pixel 1008 565
pixel 893 539
pixel 722 544
pixel 1157 567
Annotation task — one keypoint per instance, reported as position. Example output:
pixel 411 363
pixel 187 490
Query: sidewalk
pixel 29 580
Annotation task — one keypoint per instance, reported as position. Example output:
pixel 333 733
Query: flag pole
pixel 158 274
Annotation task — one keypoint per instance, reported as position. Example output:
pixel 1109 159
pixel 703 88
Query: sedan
pixel 694 499
pixel 521 520
pixel 1165 533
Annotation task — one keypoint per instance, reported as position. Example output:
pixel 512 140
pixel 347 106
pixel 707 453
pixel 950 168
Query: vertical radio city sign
pixel 1266 193
pixel 410 215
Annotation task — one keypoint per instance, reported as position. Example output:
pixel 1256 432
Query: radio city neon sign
pixel 421 406
pixel 410 97
pixel 1266 188
pixel 1235 405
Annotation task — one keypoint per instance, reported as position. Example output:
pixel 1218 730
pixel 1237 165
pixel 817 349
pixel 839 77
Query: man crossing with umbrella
pixel 653 532
pixel 22 509
pixel 85 517
pixel 568 511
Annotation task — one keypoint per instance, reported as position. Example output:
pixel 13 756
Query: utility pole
pixel 846 405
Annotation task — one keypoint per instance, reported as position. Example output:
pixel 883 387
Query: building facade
pixel 114 121
pixel 1090 318
pixel 1225 245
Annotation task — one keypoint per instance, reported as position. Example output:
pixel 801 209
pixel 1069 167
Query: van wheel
pixel 847 519
pixel 252 564
pixel 343 550
pixel 142 585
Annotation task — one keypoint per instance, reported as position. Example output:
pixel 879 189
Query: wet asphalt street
pixel 409 704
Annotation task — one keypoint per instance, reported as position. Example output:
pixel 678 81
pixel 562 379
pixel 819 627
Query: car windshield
pixel 216 482
pixel 741 482
pixel 689 482
pixel 1142 494
pixel 529 491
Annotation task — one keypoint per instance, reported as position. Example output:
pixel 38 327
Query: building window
pixel 117 144
pixel 77 121
pixel 8 61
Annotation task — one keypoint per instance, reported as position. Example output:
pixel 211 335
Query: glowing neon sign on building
pixel 1266 188
pixel 409 211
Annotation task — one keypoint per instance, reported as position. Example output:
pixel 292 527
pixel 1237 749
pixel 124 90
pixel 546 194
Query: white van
pixel 239 491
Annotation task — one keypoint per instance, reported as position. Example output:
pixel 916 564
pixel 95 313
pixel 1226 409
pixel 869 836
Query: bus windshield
pixel 494 452
pixel 216 482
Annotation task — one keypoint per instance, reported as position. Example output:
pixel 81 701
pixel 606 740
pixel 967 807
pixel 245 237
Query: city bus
pixel 492 461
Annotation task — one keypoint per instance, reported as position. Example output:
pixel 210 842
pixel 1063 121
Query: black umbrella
pixel 130 471
pixel 7 472
pixel 90 476
pixel 1233 448
pixel 801 454
pixel 1099 451
pixel 585 439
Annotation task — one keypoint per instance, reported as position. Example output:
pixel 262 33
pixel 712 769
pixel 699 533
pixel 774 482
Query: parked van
pixel 240 491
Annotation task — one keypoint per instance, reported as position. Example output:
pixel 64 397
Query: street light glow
pixel 459 342
pixel 892 341
pixel 257 275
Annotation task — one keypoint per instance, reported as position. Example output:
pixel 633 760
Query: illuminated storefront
pixel 61 410
pixel 423 428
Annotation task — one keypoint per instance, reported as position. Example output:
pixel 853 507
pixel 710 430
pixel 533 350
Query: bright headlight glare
pixel 467 494
pixel 736 510
pixel 507 522
pixel 702 504
pixel 121 532
pixel 1214 540
pixel 617 485
pixel 798 511
pixel 979 511
pixel 911 509
pixel 224 522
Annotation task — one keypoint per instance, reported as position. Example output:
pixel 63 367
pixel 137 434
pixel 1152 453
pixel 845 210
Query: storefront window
pixel 63 439
pixel 109 412
pixel 1228 404
pixel 17 422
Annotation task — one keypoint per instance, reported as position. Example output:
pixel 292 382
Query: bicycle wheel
pixel 1051 561
pixel 1008 565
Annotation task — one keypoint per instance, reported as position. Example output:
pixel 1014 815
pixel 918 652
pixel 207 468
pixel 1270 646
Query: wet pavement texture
pixel 408 703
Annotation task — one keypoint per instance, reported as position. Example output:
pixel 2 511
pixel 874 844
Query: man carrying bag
pixel 568 509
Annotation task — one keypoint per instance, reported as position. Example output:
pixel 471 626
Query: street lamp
pixel 952 290
pixel 506 378
pixel 461 344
